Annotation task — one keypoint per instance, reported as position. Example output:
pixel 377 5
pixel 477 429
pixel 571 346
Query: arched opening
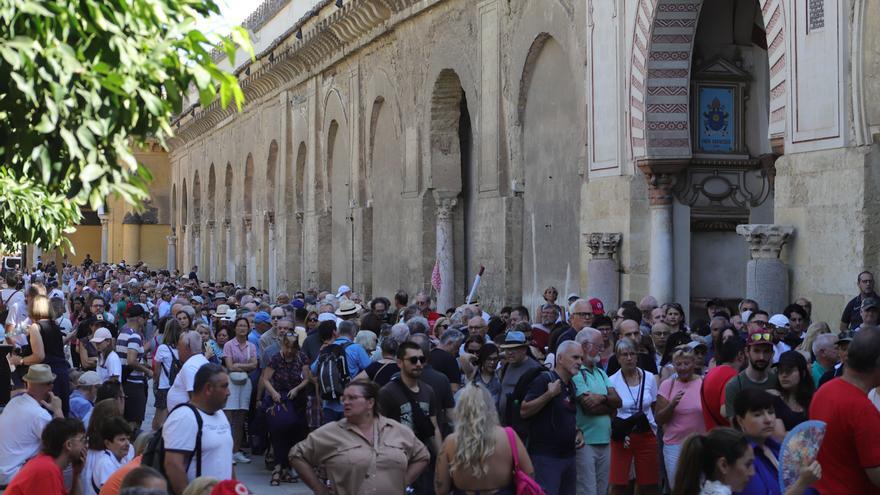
pixel 267 248
pixel 245 272
pixel 551 238
pixel 342 257
pixel 209 267
pixel 227 256
pixel 453 176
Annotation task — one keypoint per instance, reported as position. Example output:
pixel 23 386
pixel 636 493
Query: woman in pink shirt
pixel 240 357
pixel 678 408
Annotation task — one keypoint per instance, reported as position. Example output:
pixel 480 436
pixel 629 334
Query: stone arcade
pixel 607 147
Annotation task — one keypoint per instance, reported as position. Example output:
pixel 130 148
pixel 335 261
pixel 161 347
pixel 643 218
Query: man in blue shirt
pixel 356 359
pixel 262 323
pixel 82 400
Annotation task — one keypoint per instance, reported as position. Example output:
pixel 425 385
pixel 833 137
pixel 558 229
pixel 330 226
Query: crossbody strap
pixel 512 441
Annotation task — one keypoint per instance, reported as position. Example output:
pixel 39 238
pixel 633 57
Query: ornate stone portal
pixel 766 275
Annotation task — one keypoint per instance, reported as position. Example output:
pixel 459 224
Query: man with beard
pixel 758 373
pixel 541 332
pixel 597 399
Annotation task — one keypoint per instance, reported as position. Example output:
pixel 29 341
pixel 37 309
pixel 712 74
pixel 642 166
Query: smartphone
pixel 207 346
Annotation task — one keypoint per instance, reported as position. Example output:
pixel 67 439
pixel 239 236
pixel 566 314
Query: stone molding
pixel 603 245
pixel 297 55
pixel 765 240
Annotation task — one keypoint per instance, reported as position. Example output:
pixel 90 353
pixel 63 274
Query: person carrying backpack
pixel 337 364
pixel 518 371
pixel 166 365
pixel 196 437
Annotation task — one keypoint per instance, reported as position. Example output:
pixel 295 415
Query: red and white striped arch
pixel 660 75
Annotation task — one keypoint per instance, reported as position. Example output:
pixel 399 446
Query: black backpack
pixel 511 414
pixel 154 454
pixel 332 369
pixel 175 365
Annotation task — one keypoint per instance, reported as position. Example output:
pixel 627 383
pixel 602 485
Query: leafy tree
pixel 81 83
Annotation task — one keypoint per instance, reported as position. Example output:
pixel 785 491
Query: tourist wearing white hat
pixel 109 364
pixel 24 418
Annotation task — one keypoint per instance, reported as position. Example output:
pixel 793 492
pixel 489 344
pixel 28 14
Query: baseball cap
pixel 342 290
pixel 779 321
pixel 101 335
pixel 262 317
pixel 845 336
pixel 572 296
pixel 869 302
pixel 598 307
pixel 326 317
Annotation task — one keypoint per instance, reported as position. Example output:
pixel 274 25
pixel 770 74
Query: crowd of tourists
pixel 350 395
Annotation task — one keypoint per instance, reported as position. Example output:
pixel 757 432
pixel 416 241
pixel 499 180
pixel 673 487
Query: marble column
pixel 660 175
pixel 196 247
pixel 445 249
pixel 248 256
pixel 603 275
pixel 766 275
pixel 229 262
pixel 105 237
pixel 171 261
pixel 210 271
pixel 272 283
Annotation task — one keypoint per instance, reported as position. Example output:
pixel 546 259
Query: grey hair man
pixel 443 357
pixel 417 324
pixel 825 350
pixel 189 348
pixel 598 400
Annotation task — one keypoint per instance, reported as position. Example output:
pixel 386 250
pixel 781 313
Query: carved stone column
pixel 229 262
pixel 105 237
pixel 210 271
pixel 196 246
pixel 602 274
pixel 171 260
pixel 271 252
pixel 766 275
pixel 248 256
pixel 661 177
pixel 445 249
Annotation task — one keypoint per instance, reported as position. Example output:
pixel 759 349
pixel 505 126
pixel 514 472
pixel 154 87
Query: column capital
pixel 227 223
pixel 270 217
pixel 603 245
pixel 660 175
pixel 445 204
pixel 104 217
pixel 210 224
pixel 195 228
pixel 172 239
pixel 765 240
pixel 248 220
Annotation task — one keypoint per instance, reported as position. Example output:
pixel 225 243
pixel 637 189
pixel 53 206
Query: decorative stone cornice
pixel 765 240
pixel 291 59
pixel 603 245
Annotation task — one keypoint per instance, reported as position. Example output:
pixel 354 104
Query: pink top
pixel 239 353
pixel 687 417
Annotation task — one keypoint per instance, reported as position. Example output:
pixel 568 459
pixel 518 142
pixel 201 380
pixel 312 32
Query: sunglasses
pixel 758 337
pixel 760 323
pixel 312 319
pixel 417 359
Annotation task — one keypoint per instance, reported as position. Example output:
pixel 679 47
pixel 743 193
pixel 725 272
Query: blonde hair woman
pixel 478 455
pixel 813 331
pixel 201 486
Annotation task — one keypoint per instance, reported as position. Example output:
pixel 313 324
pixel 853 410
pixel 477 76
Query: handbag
pixel 238 377
pixel 637 423
pixel 282 416
pixel 523 483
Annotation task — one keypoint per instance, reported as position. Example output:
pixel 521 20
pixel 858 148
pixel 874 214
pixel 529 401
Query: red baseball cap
pixel 598 307
pixel 230 487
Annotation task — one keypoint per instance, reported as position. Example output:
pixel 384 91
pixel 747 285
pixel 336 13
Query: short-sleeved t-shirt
pixel 687 417
pixel 394 403
pixel 629 396
pixel 742 381
pixel 110 367
pixel 553 429
pixel 179 434
pixel 39 475
pixel 595 427
pixel 165 355
pixel 185 380
pixel 129 339
pixel 713 395
pixel 445 363
pixel 852 438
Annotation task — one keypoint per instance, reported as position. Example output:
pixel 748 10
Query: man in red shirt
pixel 730 359
pixel 63 443
pixel 850 451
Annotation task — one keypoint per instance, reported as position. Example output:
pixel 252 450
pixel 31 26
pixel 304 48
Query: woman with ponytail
pixel 717 463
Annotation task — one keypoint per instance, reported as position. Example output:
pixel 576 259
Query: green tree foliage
pixel 81 82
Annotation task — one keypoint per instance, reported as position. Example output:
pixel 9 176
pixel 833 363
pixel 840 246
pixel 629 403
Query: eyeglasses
pixel 417 359
pixel 351 398
pixel 758 337
pixel 277 317
pixel 583 315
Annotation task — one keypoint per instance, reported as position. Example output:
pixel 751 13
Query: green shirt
pixel 817 371
pixel 596 428
pixel 741 382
